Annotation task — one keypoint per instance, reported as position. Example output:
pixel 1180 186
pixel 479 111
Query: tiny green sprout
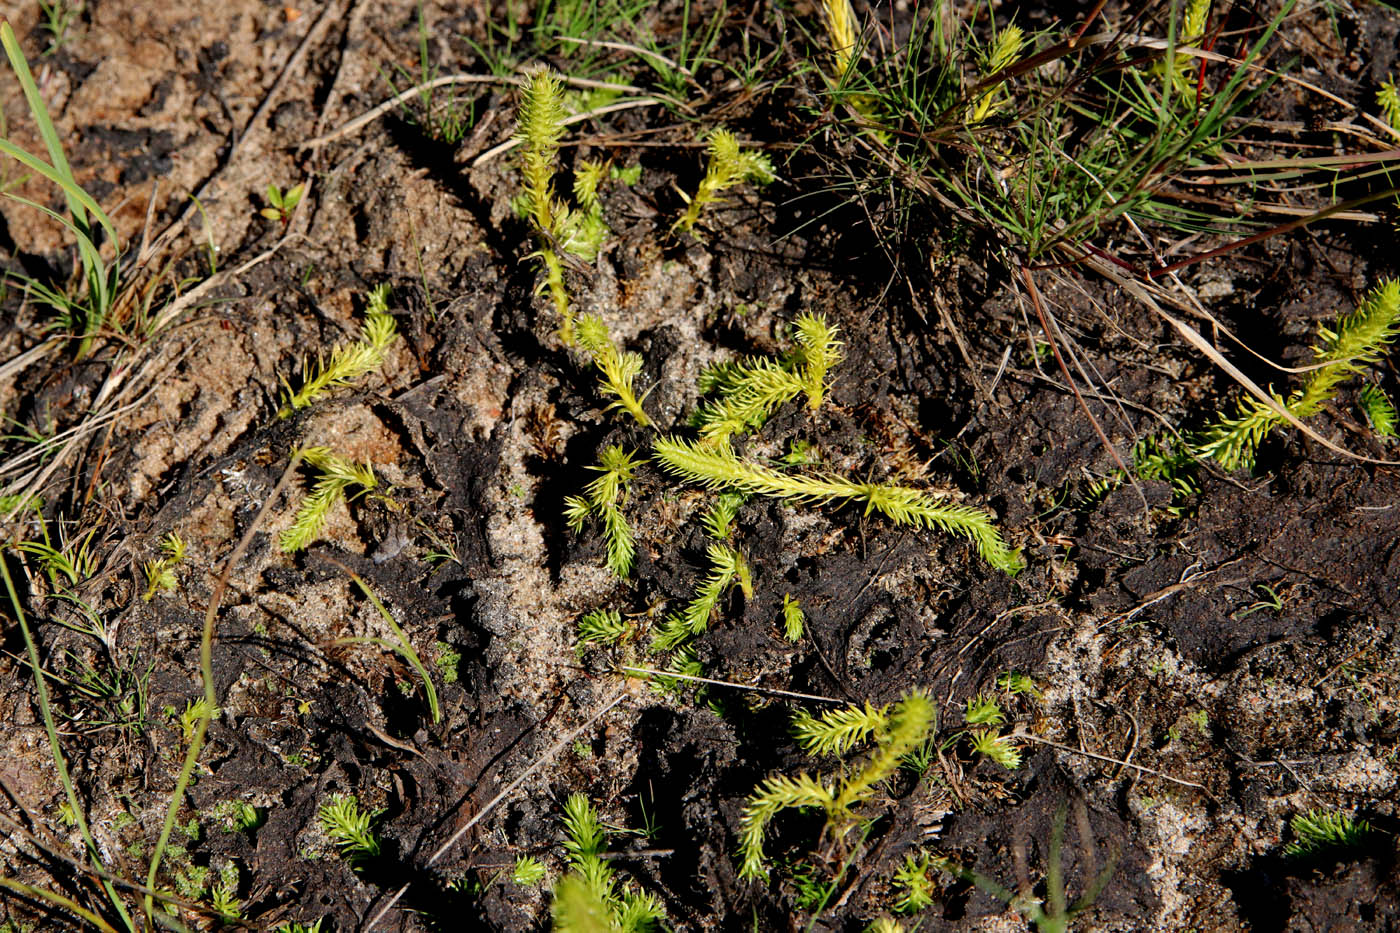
pixel 884 925
pixel 336 474
pixel 347 362
pixel 728 166
pixel 602 627
pixel 1018 684
pixel 223 894
pixel 1358 340
pixel 794 619
pixel 239 816
pixel 1318 830
pixel 628 176
pixel 1380 411
pixel 915 886
pixel 160 573
pixel 528 871
pixel 603 498
pixel 195 710
pixel 1388 99
pixel 282 203
pixel 618 370
pixel 897 731
pixel 349 827
pixel 983 710
pixel 447 660
pixel 993 745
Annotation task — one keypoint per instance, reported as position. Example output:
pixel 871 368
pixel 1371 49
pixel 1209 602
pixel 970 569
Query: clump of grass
pixel 1358 340
pixel 348 362
pixel 722 468
pixel 603 498
pixel 337 475
pixel 618 370
pixel 897 731
pixel 728 165
pixel 102 279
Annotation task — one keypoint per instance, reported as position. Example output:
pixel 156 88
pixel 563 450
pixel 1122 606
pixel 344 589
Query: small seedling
pixel 349 827
pixel 1380 411
pixel 223 894
pixel 896 731
pixel 602 627
pixel 1388 99
pixel 618 370
pixel 603 498
pixel 528 871
pixel 295 926
pixel 591 897
pixel 994 745
pixel 281 204
pixel 347 362
pixel 728 166
pixel 160 573
pixel 1319 830
pixel 794 619
pixel 337 474
pixel 914 884
pixel 1358 341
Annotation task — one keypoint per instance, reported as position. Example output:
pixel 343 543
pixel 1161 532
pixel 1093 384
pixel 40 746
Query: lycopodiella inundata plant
pixel 591 898
pixel 750 390
pixel 1358 340
pixel 603 499
pixel 897 731
pixel 347 362
pixel 618 370
pixel 1380 411
pixel 1005 51
pixel 727 568
pixel 337 475
pixel 577 231
pixel 160 573
pixel 1388 98
pixel 721 468
pixel 728 166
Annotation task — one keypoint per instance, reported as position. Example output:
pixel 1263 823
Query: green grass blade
pixel 60 764
pixel 404 647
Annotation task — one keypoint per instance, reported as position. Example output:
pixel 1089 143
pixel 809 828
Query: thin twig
pixel 1143 769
